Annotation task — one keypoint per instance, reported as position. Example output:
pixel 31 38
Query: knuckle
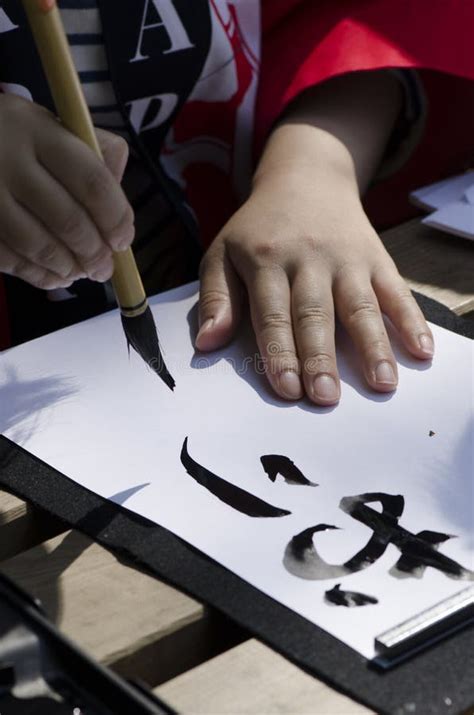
pixel 74 273
pixel 275 320
pixel 273 347
pixel 362 309
pixel 47 253
pixel 403 296
pixel 211 298
pixel 31 274
pixel 23 268
pixel 310 243
pixel 100 257
pixel 113 142
pixel 71 225
pixel 96 183
pixel 266 252
pixel 312 316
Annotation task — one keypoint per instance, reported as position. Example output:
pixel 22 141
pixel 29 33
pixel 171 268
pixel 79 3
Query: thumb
pixel 114 151
pixel 219 301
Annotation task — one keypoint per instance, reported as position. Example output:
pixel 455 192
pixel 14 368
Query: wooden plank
pixel 434 263
pixel 252 679
pixel 121 616
pixel 22 526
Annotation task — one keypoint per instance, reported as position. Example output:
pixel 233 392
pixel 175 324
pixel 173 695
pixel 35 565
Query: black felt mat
pixel 438 681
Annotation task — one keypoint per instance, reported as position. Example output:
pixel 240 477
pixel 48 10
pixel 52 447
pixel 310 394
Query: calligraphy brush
pixel 137 319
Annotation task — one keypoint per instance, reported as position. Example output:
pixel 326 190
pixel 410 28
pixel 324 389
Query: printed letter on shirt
pixel 169 20
pixel 139 109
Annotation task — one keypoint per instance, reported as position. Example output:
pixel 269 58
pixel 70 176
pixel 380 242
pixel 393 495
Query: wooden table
pixel 193 658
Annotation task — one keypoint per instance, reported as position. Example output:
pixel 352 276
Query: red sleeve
pixel 305 42
pixel 308 41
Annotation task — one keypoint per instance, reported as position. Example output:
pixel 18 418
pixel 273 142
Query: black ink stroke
pixel 230 494
pixel 302 559
pixel 392 509
pixel 275 464
pixel 408 565
pixel 421 549
pixel 337 597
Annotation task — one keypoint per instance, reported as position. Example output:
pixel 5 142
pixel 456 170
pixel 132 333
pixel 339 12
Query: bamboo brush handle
pixel 48 31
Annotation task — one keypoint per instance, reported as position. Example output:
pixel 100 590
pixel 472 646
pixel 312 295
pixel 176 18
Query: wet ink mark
pixel 419 551
pixel 408 565
pixel 230 494
pixel 350 599
pixel 302 559
pixel 142 336
pixel 275 464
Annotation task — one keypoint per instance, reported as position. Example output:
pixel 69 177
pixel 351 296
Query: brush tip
pixel 142 335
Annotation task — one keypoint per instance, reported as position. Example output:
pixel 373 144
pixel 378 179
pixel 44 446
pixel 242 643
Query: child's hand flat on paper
pixel 62 210
pixel 304 251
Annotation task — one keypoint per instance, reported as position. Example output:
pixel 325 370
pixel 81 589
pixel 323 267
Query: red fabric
pixel 308 41
pixel 4 323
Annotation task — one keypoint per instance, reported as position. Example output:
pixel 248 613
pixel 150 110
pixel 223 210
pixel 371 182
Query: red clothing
pixel 303 43
pixel 306 42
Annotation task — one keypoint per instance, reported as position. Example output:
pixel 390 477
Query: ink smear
pixel 419 548
pixel 302 559
pixel 275 464
pixel 408 565
pixel 228 493
pixel 337 597
pixel 418 551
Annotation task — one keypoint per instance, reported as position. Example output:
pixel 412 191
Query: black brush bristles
pixel 142 335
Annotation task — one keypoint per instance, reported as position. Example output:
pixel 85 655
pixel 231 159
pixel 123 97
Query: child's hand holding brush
pixel 63 209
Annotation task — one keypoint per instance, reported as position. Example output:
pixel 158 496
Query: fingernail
pixel 325 388
pixel 426 344
pixel 123 240
pixel 290 385
pixel 205 327
pixel 384 374
pixel 101 276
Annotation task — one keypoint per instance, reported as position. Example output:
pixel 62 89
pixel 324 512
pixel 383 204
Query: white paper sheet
pixel 437 195
pixel 452 203
pixel 77 401
pixel 456 217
